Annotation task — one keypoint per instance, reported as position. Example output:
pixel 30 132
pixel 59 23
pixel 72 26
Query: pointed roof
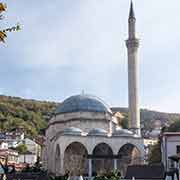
pixel 131 12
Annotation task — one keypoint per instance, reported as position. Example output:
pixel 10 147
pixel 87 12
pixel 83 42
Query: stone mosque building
pixel 83 136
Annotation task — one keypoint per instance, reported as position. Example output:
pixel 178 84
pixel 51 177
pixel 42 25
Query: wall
pixel 83 120
pixel 28 158
pixel 90 142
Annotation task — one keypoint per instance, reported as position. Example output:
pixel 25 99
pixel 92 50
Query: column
pixel 62 163
pixel 90 168
pixel 115 164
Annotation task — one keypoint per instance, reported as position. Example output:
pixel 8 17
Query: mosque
pixel 83 136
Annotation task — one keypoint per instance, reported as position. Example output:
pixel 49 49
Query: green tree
pixel 3 120
pixel 3 32
pixel 174 127
pixel 21 148
pixel 125 121
pixel 155 153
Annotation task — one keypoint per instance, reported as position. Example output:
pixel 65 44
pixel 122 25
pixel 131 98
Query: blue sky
pixel 66 46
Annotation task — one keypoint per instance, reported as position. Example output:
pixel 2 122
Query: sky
pixel 69 46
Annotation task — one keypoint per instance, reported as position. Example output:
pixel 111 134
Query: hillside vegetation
pixel 33 115
pixel 148 117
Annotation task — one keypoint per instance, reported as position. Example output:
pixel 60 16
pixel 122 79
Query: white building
pixel 3 145
pixel 29 158
pixel 33 152
pixel 83 136
pixel 12 138
pixel 170 146
pixel 32 146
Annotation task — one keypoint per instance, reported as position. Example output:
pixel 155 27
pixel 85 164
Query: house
pixel 3 145
pixel 170 146
pixel 40 141
pixel 28 157
pixel 10 155
pixel 34 151
pixel 33 146
pixel 12 138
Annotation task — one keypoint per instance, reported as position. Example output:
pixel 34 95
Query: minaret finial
pixel 131 12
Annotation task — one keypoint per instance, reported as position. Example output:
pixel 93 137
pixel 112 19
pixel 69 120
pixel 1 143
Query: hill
pixel 33 115
pixel 150 119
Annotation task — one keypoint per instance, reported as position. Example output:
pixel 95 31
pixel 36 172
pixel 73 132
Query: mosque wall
pixel 80 115
pixel 82 120
pixel 84 124
pixel 90 142
pixel 87 125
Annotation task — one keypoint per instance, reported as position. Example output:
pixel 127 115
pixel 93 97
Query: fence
pixel 27 176
pixel 40 176
pixel 121 178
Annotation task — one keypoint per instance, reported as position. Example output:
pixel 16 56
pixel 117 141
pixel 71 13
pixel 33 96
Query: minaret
pixel 132 44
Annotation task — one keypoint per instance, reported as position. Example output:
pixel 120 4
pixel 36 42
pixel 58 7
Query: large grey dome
pixel 82 103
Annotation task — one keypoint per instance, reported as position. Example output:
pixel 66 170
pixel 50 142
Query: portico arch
pixel 75 159
pixel 128 154
pixel 102 158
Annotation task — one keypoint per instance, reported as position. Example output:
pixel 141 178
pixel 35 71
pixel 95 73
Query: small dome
pixel 98 131
pixel 82 103
pixel 122 132
pixel 72 130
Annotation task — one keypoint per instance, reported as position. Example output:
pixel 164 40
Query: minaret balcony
pixel 132 43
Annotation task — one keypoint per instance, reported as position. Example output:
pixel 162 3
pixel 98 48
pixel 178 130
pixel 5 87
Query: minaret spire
pixel 131 12
pixel 132 22
pixel 132 44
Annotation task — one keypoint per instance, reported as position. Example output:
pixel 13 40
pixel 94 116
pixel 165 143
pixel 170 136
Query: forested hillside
pixel 33 115
pixel 149 116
